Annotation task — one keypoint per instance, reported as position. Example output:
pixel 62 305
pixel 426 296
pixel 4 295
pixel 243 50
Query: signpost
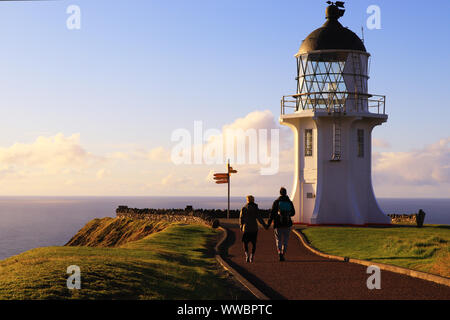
pixel 222 178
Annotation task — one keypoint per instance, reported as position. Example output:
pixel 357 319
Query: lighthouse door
pixel 309 198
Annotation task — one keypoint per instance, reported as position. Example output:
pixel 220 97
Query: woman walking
pixel 249 226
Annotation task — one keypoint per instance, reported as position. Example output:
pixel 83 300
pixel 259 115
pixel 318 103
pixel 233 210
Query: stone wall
pixel 416 218
pixel 403 218
pixel 211 216
pixel 188 215
pixel 170 215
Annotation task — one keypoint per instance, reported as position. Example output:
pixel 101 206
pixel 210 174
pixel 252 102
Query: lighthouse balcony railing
pixel 333 101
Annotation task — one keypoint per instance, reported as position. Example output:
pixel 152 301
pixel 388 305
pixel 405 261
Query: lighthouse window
pixel 361 143
pixel 308 142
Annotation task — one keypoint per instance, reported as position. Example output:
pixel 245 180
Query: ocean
pixel 31 222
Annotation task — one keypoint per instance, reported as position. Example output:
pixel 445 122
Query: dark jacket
pixel 275 217
pixel 249 215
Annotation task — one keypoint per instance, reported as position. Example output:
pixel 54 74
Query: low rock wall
pixel 416 218
pixel 188 215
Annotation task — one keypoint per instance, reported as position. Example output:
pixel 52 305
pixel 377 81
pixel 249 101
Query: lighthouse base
pixel 331 190
pixel 324 205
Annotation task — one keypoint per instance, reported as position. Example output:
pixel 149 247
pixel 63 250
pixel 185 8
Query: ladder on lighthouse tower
pixel 336 106
pixel 337 137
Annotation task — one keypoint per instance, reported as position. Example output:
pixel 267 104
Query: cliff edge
pixel 113 232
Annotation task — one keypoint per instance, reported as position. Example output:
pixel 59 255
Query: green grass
pixel 176 263
pixel 425 249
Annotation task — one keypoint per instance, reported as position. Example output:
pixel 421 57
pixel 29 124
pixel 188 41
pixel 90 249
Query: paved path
pixel 305 275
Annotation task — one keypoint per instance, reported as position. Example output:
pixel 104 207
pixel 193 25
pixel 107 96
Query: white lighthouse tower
pixel 332 116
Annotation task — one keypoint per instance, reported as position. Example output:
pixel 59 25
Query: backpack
pixel 284 211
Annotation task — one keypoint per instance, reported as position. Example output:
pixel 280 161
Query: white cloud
pixel 380 143
pixel 102 173
pixel 175 180
pixel 55 154
pixel 69 182
pixel 427 166
pixel 262 120
pixel 158 154
pixel 61 165
pixel 254 139
pixel 119 156
pixel 248 178
pixel 6 171
pixel 254 120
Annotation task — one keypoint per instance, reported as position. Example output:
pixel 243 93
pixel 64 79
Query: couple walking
pixel 282 211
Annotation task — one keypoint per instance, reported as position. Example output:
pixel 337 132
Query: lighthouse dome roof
pixel 332 35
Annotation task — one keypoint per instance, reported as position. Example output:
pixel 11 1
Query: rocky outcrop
pixel 113 232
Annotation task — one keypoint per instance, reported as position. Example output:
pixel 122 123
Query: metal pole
pixel 228 211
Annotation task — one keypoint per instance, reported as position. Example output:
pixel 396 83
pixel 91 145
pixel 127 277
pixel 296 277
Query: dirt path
pixel 307 276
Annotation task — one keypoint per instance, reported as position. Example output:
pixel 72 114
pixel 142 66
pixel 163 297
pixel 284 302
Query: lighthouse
pixel 332 116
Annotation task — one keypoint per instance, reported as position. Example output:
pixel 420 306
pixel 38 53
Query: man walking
pixel 282 211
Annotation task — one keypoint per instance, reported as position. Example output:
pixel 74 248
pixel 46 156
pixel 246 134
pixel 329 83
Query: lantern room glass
pixel 334 80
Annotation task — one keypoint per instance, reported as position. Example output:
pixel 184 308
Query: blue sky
pixel 137 70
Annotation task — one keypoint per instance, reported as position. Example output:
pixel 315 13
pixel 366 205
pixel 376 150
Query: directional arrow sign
pixel 224 178
pixel 220 175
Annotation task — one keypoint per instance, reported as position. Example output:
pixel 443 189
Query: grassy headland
pixel 175 263
pixel 112 232
pixel 425 249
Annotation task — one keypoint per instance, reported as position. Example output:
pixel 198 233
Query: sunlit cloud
pixel 60 164
pixel 380 143
pixel 160 154
pixel 427 167
pixel 56 153
pixel 175 179
pixel 102 173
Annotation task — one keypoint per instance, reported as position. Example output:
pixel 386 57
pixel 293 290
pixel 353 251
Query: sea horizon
pixel 28 222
